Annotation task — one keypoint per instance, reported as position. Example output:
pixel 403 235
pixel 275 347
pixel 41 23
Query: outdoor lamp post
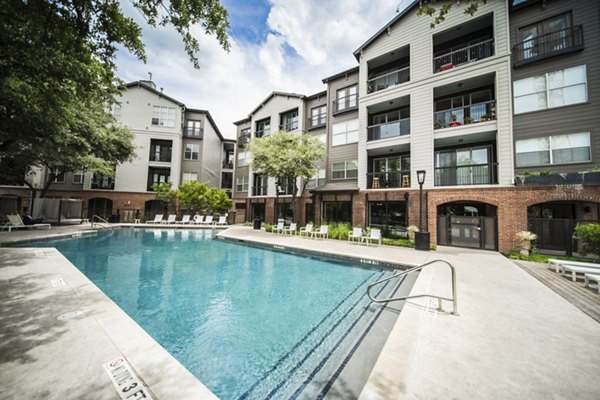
pixel 421 237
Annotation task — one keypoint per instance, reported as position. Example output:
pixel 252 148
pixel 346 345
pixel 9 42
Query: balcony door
pixel 465 166
pixel 388 170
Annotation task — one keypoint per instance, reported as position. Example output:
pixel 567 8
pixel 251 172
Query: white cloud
pixel 309 40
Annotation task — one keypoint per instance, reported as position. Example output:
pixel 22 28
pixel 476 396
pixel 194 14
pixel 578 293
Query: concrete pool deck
pixel 514 337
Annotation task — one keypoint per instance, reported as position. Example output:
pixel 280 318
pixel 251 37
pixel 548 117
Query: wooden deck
pixel 586 299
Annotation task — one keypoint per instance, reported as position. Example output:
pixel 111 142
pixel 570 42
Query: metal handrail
pixel 440 298
pixel 97 217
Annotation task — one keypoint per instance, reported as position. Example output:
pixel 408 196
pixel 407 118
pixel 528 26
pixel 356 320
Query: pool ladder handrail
pixel 417 268
pixel 97 217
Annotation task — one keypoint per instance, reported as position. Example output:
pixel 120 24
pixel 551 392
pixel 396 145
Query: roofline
pixel 401 14
pixel 273 94
pixel 340 74
pixel 241 121
pixel 151 89
pixel 312 96
pixel 210 119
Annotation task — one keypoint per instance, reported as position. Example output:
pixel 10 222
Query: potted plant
pixel 484 117
pixel 525 239
pixel 411 232
pixel 468 120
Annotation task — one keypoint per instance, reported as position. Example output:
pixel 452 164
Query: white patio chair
pixel 158 219
pixel 307 230
pixel 374 234
pixel 170 219
pixel 198 219
pixel 222 221
pixel 15 222
pixel 323 232
pixel 290 229
pixel 208 220
pixel 356 233
pixel 184 220
pixel 278 228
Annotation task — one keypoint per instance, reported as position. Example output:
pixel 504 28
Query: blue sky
pixel 276 45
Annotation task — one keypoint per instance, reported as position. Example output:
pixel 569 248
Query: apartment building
pixel 456 103
pixel 173 144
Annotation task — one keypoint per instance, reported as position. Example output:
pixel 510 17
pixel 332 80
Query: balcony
pixel 387 180
pixel 464 55
pixel 548 45
pixel 228 164
pixel 244 139
pixel 474 113
pixel 102 182
pixel 388 79
pixel 389 129
pixel 259 190
pixel 475 174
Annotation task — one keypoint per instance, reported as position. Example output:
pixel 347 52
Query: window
pixel 78 177
pixel 192 152
pixel 163 116
pixel 558 149
pixel 158 175
pixel 554 89
pixel 263 128
pixel 318 116
pixel 344 170
pixel 387 213
pixel 344 132
pixel 189 177
pixel 289 121
pixel 244 158
pixel 260 185
pixel 317 180
pixel 160 150
pixel 347 98
pixel 241 184
pixel 59 177
pixel 244 137
pixel 194 129
pixel 337 211
pixel 114 110
pixel 464 166
pixel 285 186
pixel 227 180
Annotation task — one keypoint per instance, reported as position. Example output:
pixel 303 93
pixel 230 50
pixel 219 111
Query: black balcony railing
pixel 471 114
pixel 263 132
pixel 345 103
pixel 478 174
pixel 392 179
pixel 259 190
pixel 465 55
pixel 243 139
pixel 289 126
pixel 548 45
pixel 103 183
pixel 228 164
pixel 388 79
pixel 389 129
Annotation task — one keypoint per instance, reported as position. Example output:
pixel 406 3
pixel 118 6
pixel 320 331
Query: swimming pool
pixel 248 322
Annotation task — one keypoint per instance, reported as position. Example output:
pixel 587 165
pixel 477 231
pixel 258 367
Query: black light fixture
pixel 421 237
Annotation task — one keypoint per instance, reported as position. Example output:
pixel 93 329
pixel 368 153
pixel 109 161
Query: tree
pixel 218 200
pixel 57 74
pixel 192 195
pixel 166 194
pixel 290 156
pixel 427 8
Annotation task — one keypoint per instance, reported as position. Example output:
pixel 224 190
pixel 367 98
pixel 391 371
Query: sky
pixel 276 45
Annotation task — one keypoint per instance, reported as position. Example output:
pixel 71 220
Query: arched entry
pixel 101 207
pixel 153 207
pixel 554 223
pixel 468 224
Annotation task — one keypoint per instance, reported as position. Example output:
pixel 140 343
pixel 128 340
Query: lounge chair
pixel 278 228
pixel 307 230
pixel 559 265
pixel 357 234
pixel 184 220
pixel 592 277
pixel 158 219
pixel 198 219
pixel 222 221
pixel 374 234
pixel 290 229
pixel 323 232
pixel 208 220
pixel 171 219
pixel 15 222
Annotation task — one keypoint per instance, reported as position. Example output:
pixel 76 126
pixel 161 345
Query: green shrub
pixel 589 235
pixel 268 228
pixel 340 231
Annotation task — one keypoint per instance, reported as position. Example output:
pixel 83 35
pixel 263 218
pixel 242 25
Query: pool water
pixel 248 322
